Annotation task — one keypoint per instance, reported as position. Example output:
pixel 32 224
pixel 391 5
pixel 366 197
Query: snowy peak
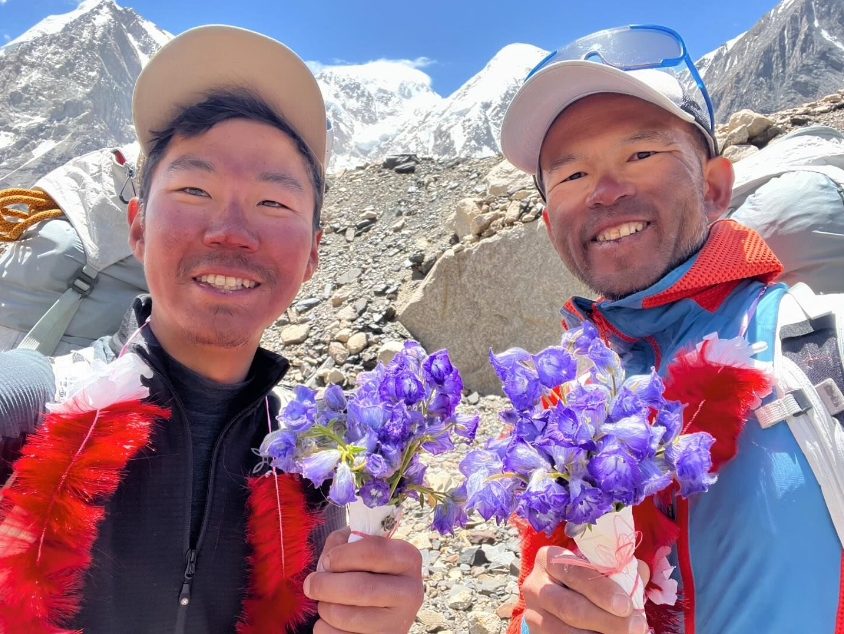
pixel 793 54
pixel 68 84
pixel 467 123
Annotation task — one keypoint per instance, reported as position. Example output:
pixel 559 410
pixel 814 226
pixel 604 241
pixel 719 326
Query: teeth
pixel 621 231
pixel 227 283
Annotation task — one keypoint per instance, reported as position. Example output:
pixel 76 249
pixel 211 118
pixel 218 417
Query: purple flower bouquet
pixel 586 445
pixel 368 444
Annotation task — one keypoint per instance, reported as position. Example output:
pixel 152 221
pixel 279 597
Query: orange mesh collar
pixel 732 253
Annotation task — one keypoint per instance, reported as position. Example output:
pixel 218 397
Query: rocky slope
pixel 793 54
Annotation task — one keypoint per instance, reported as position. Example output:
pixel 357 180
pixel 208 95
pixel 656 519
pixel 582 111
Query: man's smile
pixel 226 283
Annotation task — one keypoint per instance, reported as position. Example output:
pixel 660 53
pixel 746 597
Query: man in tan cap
pixel 232 128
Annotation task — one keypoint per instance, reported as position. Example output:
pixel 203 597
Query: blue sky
pixel 451 39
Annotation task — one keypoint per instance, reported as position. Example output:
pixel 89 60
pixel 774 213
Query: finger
pixel 364 589
pixel 542 622
pixel 599 589
pixel 644 573
pixel 334 539
pixel 321 627
pixel 375 554
pixel 364 620
pixel 575 610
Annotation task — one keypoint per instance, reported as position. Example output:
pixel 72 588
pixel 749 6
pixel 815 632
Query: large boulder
pixel 506 178
pixel 501 292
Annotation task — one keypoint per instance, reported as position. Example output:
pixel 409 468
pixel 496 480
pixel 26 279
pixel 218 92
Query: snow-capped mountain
pixel 793 54
pixel 468 122
pixel 67 87
pixel 367 103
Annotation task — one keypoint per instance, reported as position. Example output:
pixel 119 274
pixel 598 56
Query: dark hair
pixel 219 106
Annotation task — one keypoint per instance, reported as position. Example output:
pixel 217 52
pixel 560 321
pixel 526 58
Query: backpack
pixel 792 194
pixel 69 276
pixel 809 372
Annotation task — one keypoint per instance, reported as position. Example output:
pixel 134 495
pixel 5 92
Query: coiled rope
pixel 13 222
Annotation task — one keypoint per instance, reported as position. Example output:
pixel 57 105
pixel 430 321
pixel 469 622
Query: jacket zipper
pixel 192 551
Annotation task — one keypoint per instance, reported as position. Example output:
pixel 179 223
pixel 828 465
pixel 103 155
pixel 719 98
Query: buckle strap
pixel 85 281
pixel 794 403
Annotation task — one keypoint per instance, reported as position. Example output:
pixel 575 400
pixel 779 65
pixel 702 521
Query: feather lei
pixel 52 507
pixel 278 528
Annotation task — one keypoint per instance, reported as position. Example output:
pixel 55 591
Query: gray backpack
pixel 792 194
pixel 69 280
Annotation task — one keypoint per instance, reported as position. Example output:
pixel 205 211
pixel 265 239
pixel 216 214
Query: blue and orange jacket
pixel 758 552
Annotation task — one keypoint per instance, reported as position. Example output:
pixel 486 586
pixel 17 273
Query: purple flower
pixel 566 427
pixel 606 361
pixel 375 493
pixel 281 447
pixel 442 403
pixel 522 387
pixel 402 386
pixel 690 458
pixel 377 466
pixel 342 490
pixel 588 503
pixel 616 473
pixel 490 498
pixel 334 398
pixel 415 472
pixel 649 388
pixel 392 456
pixel 438 444
pixel 319 467
pixel 369 416
pixel 543 502
pixel 504 363
pixel 555 366
pixel 670 418
pixel 447 515
pixel 522 458
pixel 635 434
pixel 298 414
pixel 655 475
pixel 482 462
pixel 438 367
pixel 627 403
pixel 465 425
pixel 590 403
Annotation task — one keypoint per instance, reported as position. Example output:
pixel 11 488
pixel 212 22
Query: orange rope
pixel 39 206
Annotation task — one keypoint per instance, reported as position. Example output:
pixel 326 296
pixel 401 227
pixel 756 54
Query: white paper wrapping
pixel 381 521
pixel 610 542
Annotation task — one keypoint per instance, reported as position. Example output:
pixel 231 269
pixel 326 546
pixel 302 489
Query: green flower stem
pixel 502 476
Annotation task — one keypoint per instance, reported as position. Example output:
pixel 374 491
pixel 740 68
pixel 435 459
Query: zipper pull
pixel 190 571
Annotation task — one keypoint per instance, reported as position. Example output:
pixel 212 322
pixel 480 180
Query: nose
pixel 231 229
pixel 608 190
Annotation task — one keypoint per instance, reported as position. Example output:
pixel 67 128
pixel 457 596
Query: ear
pixel 718 177
pixel 313 258
pixel 136 228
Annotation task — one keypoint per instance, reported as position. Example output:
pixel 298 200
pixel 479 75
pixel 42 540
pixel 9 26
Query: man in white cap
pixel 617 130
pixel 232 128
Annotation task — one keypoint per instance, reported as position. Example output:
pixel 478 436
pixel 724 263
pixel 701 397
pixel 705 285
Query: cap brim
pixel 551 90
pixel 213 57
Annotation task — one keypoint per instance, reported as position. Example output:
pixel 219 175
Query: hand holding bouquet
pixel 586 445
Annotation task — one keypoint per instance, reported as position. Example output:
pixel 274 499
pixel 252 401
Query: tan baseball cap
pixel 212 57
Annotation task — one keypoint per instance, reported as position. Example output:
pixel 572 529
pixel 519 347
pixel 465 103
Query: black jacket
pixel 143 558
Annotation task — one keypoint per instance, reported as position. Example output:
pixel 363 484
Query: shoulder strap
pixel 809 366
pixel 49 330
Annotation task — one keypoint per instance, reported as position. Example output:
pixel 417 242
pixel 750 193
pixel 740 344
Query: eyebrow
pixel 189 162
pixel 642 135
pixel 649 135
pixel 284 179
